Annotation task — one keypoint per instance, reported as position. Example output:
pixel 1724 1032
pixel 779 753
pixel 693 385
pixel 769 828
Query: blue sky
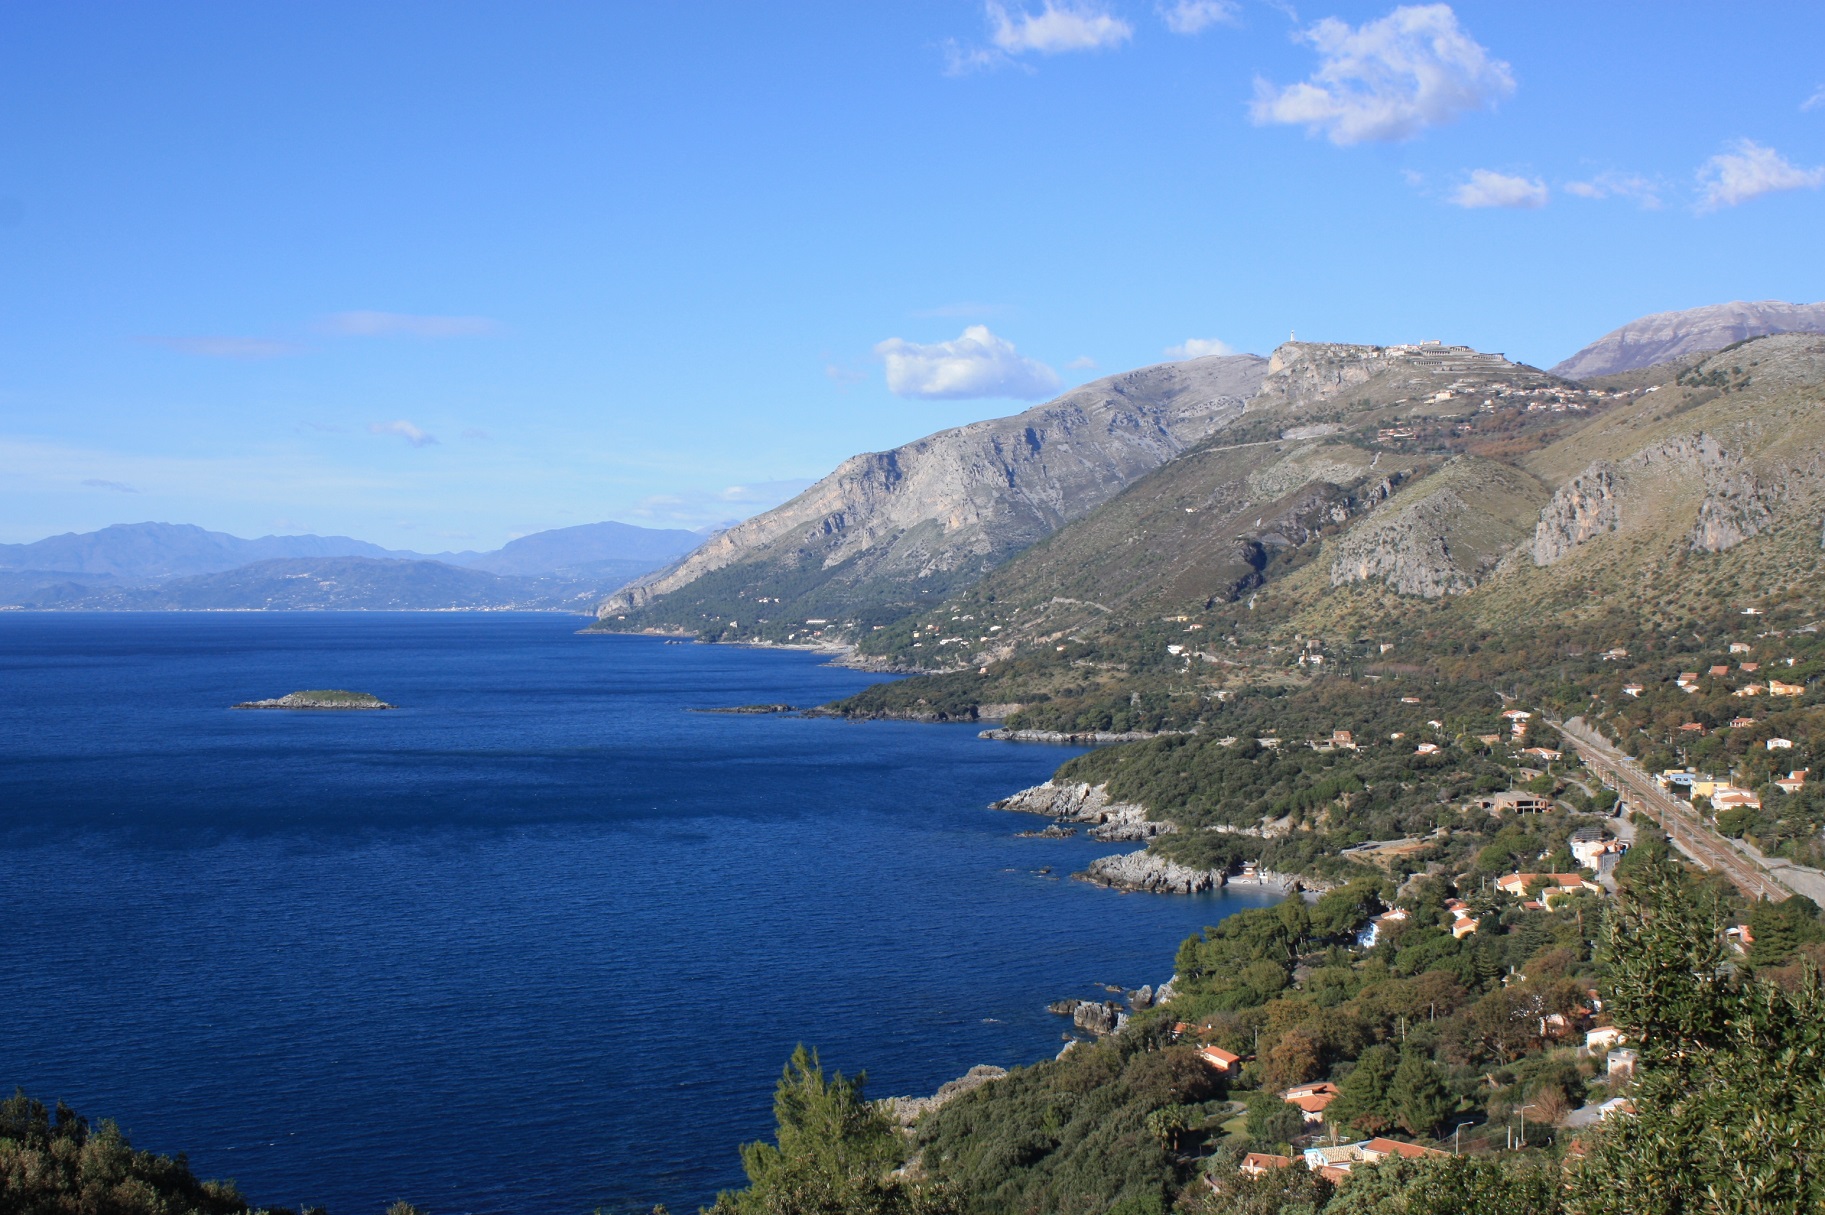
pixel 440 274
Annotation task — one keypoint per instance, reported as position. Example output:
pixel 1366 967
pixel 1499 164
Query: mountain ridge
pixel 1666 336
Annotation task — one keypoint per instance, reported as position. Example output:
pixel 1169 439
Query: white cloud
pixel 1388 80
pixel 1748 171
pixel 226 347
pixel 1816 101
pixel 1196 16
pixel 1487 188
pixel 1197 348
pixel 119 487
pixel 707 509
pixel 1618 185
pixel 405 430
pixel 977 364
pixel 1061 26
pixel 1082 362
pixel 400 324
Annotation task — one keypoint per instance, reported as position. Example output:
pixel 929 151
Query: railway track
pixel 1684 828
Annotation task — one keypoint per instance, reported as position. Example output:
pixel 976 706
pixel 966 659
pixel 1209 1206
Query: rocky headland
pixel 1109 821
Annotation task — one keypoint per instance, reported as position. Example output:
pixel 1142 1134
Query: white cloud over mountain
pixel 1487 188
pixel 1197 348
pixel 1387 80
pixel 975 364
pixel 1196 16
pixel 1749 170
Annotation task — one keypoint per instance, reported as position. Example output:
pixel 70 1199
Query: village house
pixel 1603 1039
pixel 1558 885
pixel 1748 689
pixel 1257 1164
pixel 1544 753
pixel 1780 744
pixel 1378 1149
pixel 1737 723
pixel 1777 688
pixel 1514 802
pixel 1338 1156
pixel 1633 689
pixel 1311 1099
pixel 1720 670
pixel 1793 782
pixel 1221 1061
pixel 1594 850
pixel 1620 1062
pixel 1750 667
pixel 1461 928
pixel 1426 749
pixel 1740 647
pixel 1687 679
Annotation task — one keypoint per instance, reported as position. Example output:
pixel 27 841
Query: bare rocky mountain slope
pixel 934 515
pixel 1666 336
pixel 1401 454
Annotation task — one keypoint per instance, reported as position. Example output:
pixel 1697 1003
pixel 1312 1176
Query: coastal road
pixel 1690 834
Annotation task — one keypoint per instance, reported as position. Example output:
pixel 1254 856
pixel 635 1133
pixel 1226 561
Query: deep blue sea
pixel 538 941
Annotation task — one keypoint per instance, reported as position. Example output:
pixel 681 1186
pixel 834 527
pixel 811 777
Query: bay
pixel 539 940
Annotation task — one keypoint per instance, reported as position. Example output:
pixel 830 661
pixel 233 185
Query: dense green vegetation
pixel 55 1163
pixel 1424 1035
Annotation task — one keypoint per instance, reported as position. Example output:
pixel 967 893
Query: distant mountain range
pixel 164 566
pixel 1666 336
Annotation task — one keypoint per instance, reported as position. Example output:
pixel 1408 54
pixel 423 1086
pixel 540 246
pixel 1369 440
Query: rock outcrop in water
pixel 1153 873
pixel 322 698
pixel 1083 803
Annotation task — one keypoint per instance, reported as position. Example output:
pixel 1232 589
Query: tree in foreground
pixel 835 1153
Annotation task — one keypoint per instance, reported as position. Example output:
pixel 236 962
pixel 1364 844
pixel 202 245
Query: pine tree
pixel 1418 1094
pixel 1362 1098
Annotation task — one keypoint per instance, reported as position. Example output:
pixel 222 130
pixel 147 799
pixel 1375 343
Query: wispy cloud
pixel 405 430
pixel 1197 348
pixel 1814 102
pixel 1749 170
pixel 1390 79
pixel 843 376
pixel 1082 362
pixel 1059 27
pixel 401 324
pixel 976 364
pixel 119 487
pixel 223 347
pixel 1196 16
pixel 1487 188
pixel 1641 190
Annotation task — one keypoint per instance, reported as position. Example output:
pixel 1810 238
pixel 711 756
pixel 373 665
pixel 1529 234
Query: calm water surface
pixel 540 940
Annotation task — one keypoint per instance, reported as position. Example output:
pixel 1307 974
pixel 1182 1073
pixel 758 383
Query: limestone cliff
pixel 938 512
pixel 1084 803
pixel 1443 535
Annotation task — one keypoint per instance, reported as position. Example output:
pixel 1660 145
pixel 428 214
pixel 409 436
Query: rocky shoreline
pixel 1109 821
pixel 1091 738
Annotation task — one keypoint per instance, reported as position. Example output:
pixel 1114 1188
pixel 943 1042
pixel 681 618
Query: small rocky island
pixel 320 698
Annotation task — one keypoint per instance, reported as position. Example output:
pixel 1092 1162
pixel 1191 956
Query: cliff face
pixel 1607 495
pixel 948 507
pixel 1671 335
pixel 1442 536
